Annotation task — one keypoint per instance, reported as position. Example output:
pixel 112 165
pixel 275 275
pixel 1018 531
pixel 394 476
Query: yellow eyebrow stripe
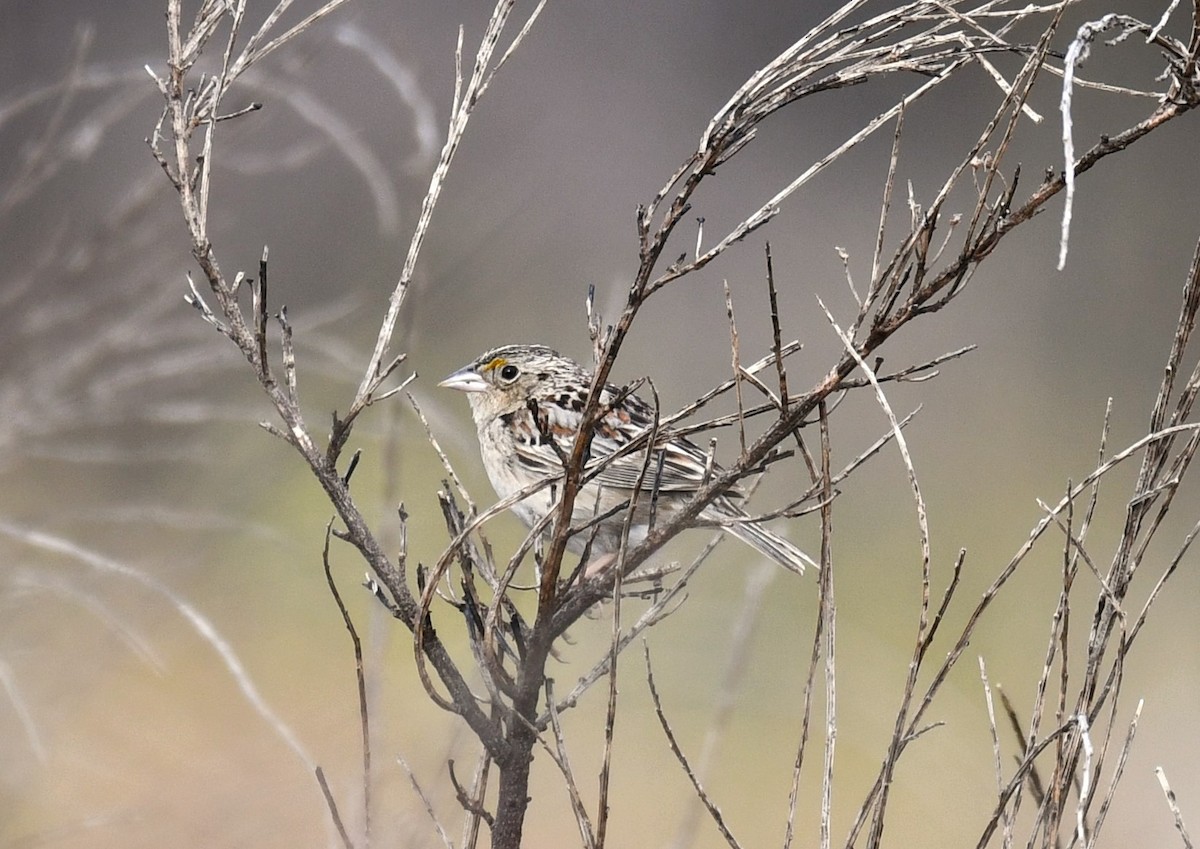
pixel 495 364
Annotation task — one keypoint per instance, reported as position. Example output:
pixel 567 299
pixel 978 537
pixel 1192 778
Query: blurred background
pixel 141 503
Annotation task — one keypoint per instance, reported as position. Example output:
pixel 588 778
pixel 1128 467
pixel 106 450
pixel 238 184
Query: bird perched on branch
pixel 528 401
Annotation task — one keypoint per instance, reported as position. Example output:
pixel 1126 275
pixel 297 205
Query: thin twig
pixel 829 616
pixel 559 754
pixel 361 680
pixel 730 684
pixel 333 809
pixel 1173 804
pixel 425 802
pixel 713 810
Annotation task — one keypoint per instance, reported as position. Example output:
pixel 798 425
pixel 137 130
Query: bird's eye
pixel 509 372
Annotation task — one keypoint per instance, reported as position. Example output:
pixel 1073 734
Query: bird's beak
pixel 465 380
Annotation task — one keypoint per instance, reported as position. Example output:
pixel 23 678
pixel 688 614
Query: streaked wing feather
pixel 683 464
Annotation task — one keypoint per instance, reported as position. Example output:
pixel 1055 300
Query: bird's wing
pixel 612 462
pixel 683 464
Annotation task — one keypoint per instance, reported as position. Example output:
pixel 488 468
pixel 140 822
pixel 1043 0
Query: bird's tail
pixel 772 545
